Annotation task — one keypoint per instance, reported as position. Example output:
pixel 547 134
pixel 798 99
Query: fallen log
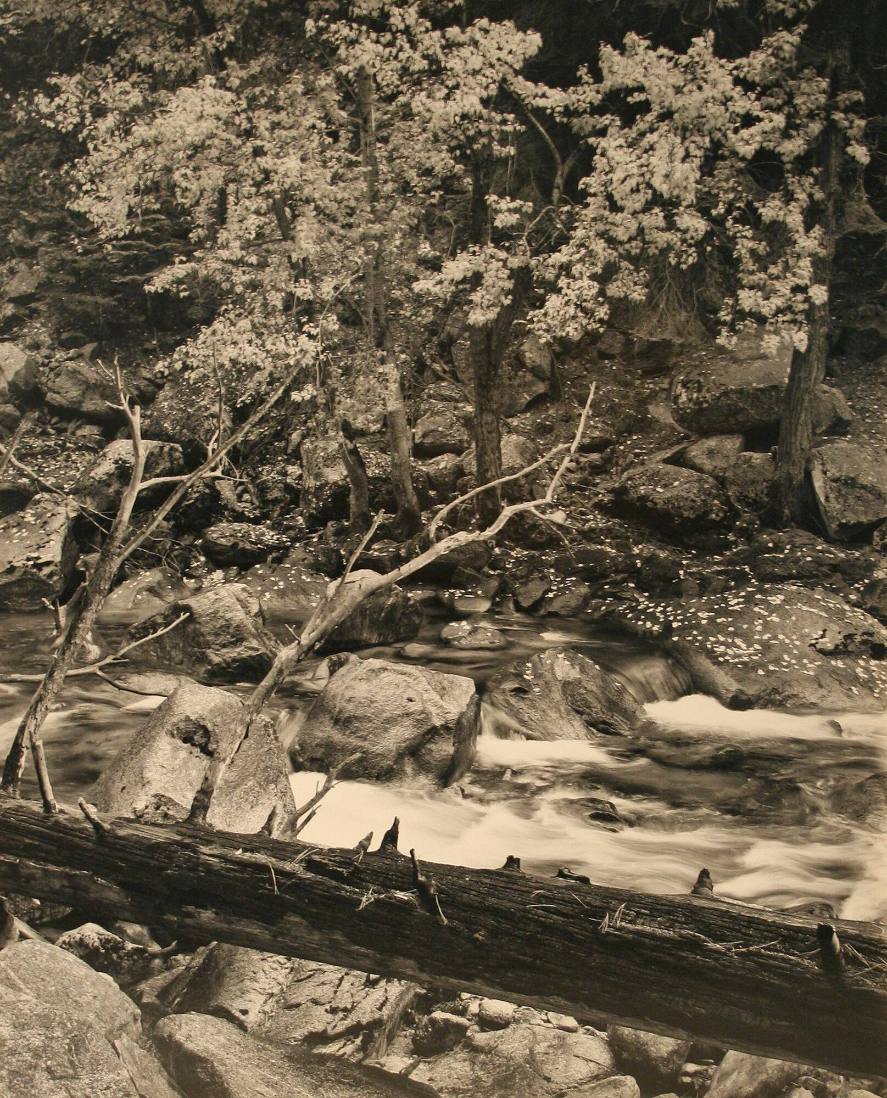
pixel 746 977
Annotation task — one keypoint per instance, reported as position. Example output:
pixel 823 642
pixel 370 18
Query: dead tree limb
pixel 742 976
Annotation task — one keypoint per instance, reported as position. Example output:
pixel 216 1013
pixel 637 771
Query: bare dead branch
pixel 22 426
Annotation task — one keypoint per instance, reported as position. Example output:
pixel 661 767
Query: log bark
pixel 746 977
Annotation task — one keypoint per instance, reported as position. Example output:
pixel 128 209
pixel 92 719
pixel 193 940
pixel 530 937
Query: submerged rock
pixel 562 695
pixel 223 638
pixel 38 553
pixel 401 720
pixel 157 774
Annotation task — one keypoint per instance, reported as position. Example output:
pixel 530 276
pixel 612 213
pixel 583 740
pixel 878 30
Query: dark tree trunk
pixel 409 515
pixel 487 442
pixel 359 489
pixel 742 976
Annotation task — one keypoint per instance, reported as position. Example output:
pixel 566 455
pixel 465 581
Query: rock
pixel 403 720
pixel 655 1061
pixel 873 598
pixel 531 592
pixel 566 1022
pixel 796 556
pixel 242 985
pixel 289 591
pixel 222 640
pixel 740 1075
pixel 831 412
pixel 241 543
pixel 210 1057
pixel 150 1080
pixel 387 616
pixel 474 557
pixel 495 1013
pixel 79 388
pixel 158 772
pixel 566 597
pixel 562 695
pixel 519 388
pixel 439 1032
pixel 324 492
pixel 38 553
pixel 22 288
pixel 675 500
pixel 443 473
pixel 143 594
pixel 526 1060
pixel 713 456
pixel 721 391
pixel 785 645
pixel 536 356
pixel 10 417
pixel 863 800
pixel 15 494
pixel 102 484
pixel 617 1086
pixel 103 951
pixel 850 485
pixel 592 562
pixel 517 453
pixel 473 635
pixel 58 979
pixel 441 430
pixel 612 344
pixel 18 374
pixel 751 485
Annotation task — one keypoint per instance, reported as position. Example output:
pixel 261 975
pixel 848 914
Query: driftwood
pixel 773 983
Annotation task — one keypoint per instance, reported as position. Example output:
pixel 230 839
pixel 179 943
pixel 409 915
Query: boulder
pixel 530 592
pixel 288 591
pixel 102 484
pixel 127 962
pixel 740 1075
pixel 519 388
pixel 750 483
pixel 592 562
pixel 324 492
pixel 567 597
pixel 668 498
pixel 527 1060
pixel 210 1057
pixel 403 720
pixel 473 557
pixel 655 1061
pixel 223 639
pixel 161 768
pixel 441 429
pixel 850 484
pixel 80 388
pixel 241 543
pixel 562 695
pixel 38 552
pixel 874 598
pixel 385 617
pixel 15 494
pixel 144 593
pixel 617 1086
pixel 783 644
pixel 713 456
pixel 495 1013
pixel 473 635
pixel 439 1032
pixel 18 374
pixel 443 473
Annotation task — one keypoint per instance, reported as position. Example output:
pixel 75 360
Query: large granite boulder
pixel 677 501
pixel 401 721
pixel 159 771
pixel 850 484
pixel 38 552
pixel 222 639
pixel 560 694
pixel 102 484
pixel 59 1021
pixel 142 594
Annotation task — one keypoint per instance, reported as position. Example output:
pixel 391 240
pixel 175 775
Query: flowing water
pixel 759 798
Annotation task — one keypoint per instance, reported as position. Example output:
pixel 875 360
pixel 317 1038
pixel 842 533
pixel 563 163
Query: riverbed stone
pixel 401 720
pixel 741 1075
pixel 102 484
pixel 560 694
pixel 473 635
pixel 288 591
pixel 495 1013
pixel 531 1061
pixel 106 952
pixel 850 484
pixel 750 483
pixel 654 1060
pixel 209 1056
pixel 439 1032
pixel 38 552
pixel 677 501
pixel 222 639
pixel 159 771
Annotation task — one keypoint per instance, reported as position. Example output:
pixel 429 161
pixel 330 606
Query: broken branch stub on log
pixel 745 977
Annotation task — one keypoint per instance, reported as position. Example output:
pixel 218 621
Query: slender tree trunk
pixel 397 423
pixel 808 366
pixel 487 441
pixel 359 496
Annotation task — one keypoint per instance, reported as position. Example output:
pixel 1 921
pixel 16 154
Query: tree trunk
pixel 409 514
pixel 743 976
pixel 808 367
pixel 359 490
pixel 487 441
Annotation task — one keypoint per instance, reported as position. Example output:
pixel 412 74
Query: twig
pixel 427 891
pixel 22 426
pixel 328 784
pixel 364 542
pixel 89 811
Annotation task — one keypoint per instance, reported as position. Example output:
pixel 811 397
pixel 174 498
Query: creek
pixel 759 798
